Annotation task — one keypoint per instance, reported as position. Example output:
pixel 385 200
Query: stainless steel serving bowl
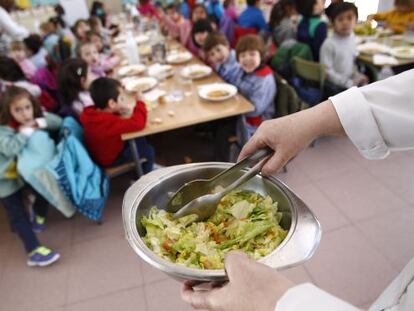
pixel 153 190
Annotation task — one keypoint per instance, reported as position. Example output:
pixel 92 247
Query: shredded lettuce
pixel 243 220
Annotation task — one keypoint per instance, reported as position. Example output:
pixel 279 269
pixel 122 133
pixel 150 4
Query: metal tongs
pixel 198 197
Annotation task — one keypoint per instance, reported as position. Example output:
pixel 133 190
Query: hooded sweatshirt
pixel 103 131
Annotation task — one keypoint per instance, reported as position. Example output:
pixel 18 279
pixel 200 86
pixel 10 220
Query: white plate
pixel 373 48
pixel 119 46
pixel 179 58
pixel 141 39
pixel 157 69
pixel 207 91
pixel 405 52
pixel 141 84
pixel 153 95
pixel 119 39
pixel 131 70
pixel 196 71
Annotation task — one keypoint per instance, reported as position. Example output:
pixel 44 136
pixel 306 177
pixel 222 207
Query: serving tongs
pixel 200 196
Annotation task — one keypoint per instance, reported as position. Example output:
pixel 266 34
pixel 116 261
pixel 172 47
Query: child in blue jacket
pixel 255 81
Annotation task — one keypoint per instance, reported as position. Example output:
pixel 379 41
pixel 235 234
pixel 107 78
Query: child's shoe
pixel 42 256
pixel 38 223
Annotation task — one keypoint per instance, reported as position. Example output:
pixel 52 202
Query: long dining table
pixel 165 115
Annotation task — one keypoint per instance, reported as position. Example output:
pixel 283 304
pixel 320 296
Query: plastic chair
pixel 287 100
pixel 309 80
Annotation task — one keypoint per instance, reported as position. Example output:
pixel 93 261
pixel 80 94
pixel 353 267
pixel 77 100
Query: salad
pixel 244 220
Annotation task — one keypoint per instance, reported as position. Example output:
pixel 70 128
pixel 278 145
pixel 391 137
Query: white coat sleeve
pixel 309 297
pixel 379 117
pixel 10 27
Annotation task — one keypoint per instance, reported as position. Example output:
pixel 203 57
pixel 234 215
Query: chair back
pixel 309 71
pixel 287 100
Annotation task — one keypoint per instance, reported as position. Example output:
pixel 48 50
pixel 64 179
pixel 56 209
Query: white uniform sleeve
pixel 379 117
pixel 10 27
pixel 309 297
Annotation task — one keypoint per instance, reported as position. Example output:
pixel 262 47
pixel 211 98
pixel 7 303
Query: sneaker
pixel 42 256
pixel 38 223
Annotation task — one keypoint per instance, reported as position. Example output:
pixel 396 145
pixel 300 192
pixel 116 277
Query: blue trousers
pixel 19 218
pixel 145 150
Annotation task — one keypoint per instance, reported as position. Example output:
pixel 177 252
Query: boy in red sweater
pixel 103 125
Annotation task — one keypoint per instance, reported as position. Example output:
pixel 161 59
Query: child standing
pixel 18 53
pixel 104 125
pixel 339 51
pixel 256 81
pixel 311 29
pixel 217 49
pixel 20 116
pixel 73 80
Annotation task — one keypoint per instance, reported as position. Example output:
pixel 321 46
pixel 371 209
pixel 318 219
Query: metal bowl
pixel 154 188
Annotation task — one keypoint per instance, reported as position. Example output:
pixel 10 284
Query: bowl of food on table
pixel 138 85
pixel 131 70
pixel 179 57
pixel 160 70
pixel 404 52
pixel 263 218
pixel 196 71
pixel 217 92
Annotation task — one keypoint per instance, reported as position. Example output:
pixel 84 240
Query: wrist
pixel 324 121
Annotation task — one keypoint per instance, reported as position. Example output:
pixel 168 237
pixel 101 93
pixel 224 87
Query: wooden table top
pixel 192 109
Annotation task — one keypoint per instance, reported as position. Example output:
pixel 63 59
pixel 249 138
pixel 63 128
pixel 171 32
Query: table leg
pixel 135 156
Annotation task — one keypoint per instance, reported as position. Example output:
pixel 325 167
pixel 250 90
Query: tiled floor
pixel 365 208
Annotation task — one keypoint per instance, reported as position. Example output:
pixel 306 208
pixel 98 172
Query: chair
pixel 309 80
pixel 287 100
pixel 117 170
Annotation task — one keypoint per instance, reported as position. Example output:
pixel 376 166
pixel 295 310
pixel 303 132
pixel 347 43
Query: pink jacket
pixel 28 68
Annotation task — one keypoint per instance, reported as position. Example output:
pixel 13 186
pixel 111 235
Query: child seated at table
pixel 222 58
pixel 18 53
pixel 182 30
pixel 89 53
pixel 50 36
pixel 312 30
pixel 80 30
pixel 338 52
pixel 107 58
pixel 173 16
pixel 398 19
pixel 252 17
pixel 35 51
pixel 74 79
pixel 201 29
pixel 104 125
pixel 255 81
